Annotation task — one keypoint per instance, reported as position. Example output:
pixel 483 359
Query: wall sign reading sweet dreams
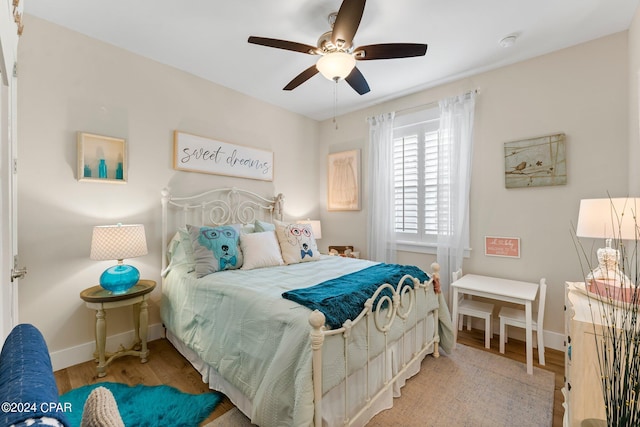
pixel 199 154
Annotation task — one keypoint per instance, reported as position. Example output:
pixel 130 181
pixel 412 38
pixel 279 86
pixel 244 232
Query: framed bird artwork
pixel 535 162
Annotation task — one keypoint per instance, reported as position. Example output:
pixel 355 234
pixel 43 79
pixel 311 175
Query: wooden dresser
pixel 582 392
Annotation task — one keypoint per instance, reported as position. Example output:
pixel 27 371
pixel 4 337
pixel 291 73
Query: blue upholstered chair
pixel 26 378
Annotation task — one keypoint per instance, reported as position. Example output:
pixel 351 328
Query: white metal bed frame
pixel 233 205
pixel 218 207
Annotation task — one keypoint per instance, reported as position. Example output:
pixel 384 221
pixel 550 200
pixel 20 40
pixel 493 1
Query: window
pixel 415 140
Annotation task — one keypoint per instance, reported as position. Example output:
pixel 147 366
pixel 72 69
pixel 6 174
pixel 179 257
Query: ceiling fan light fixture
pixel 336 65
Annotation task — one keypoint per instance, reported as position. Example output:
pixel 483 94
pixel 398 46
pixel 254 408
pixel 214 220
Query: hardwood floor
pixel 167 366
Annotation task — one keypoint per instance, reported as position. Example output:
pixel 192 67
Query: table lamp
pixel 117 242
pixel 316 227
pixel 610 219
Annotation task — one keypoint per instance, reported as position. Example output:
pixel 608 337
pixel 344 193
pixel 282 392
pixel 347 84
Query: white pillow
pixel 179 249
pixel 245 228
pixel 260 250
pixel 297 243
pixel 175 250
pixel 263 226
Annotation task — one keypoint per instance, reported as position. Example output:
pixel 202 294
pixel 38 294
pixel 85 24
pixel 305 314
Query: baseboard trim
pixel 553 340
pixel 84 352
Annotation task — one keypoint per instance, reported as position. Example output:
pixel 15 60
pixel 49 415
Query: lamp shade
pixel 316 227
pixel 336 65
pixel 608 218
pixel 117 242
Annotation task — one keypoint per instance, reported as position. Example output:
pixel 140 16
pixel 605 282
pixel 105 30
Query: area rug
pixel 147 406
pixel 468 387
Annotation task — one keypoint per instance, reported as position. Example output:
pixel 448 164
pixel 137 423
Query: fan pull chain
pixel 335 102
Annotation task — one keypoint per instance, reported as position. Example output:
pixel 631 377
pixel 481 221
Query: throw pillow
pixel 215 248
pixel 297 243
pixel 175 250
pixel 247 228
pixel 264 226
pixel 179 249
pixel 260 250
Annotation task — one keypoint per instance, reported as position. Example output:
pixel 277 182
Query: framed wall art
pixel 343 186
pixel 502 246
pixel 535 162
pixel 101 159
pixel 194 153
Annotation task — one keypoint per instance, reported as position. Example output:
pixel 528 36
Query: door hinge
pixel 17 273
pixel 15 166
pixel 15 69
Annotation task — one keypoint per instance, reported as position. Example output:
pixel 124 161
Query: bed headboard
pixel 215 207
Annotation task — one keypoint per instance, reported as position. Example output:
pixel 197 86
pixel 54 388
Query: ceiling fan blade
pixel 389 51
pixel 357 81
pixel 301 78
pixel 347 22
pixel 284 44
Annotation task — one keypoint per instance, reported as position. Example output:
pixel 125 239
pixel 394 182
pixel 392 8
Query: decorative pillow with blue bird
pixel 215 248
pixel 297 243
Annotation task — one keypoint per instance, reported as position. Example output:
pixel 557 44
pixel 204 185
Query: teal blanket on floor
pixel 147 406
pixel 343 298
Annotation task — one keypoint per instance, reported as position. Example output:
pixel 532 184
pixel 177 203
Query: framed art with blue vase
pixel 101 158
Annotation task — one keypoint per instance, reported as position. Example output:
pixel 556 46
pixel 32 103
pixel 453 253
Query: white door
pixel 9 271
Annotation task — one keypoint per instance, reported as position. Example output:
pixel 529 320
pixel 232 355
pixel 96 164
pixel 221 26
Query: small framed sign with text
pixel 502 246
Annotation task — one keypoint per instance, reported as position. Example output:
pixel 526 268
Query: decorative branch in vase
pixel 611 284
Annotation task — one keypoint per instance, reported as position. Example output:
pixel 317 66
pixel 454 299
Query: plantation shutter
pixel 406 174
pixel 415 160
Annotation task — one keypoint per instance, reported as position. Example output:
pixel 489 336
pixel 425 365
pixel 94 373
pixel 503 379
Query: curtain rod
pixel 430 104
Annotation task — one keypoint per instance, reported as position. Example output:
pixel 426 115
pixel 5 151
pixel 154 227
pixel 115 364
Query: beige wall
pixel 581 91
pixel 69 83
pixel 634 102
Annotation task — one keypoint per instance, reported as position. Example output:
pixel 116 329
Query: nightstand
pixel 343 251
pixel 99 299
pixel 582 392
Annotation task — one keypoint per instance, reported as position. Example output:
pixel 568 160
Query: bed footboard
pixel 403 306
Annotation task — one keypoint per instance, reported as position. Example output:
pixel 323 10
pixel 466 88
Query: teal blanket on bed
pixel 343 298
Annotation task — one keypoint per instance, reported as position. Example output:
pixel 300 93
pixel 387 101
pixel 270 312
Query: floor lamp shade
pixel 118 242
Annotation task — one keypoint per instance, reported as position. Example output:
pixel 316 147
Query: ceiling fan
pixel 338 56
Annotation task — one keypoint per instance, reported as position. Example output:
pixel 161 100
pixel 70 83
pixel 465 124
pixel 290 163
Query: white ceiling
pixel 208 38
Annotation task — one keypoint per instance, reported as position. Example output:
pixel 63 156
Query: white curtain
pixel 455 147
pixel 381 238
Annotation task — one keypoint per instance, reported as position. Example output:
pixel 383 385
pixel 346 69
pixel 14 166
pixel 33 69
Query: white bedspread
pixel 238 323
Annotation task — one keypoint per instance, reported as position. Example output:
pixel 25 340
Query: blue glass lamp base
pixel 119 278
